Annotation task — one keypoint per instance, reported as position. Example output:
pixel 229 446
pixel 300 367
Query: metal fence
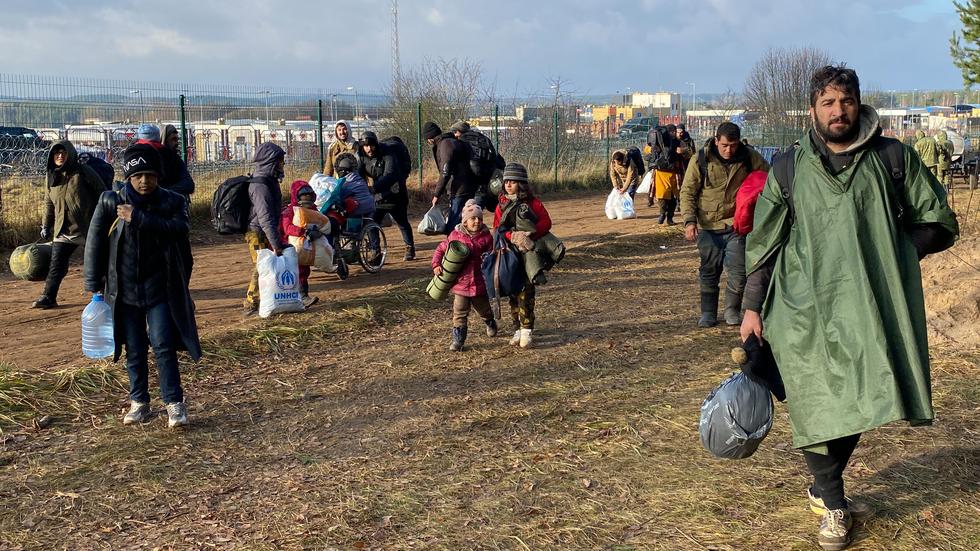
pixel 220 126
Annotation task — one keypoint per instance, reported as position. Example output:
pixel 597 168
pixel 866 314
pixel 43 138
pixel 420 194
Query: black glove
pixel 45 233
pixel 314 234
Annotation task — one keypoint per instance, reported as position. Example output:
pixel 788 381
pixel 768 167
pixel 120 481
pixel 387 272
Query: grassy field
pixel 351 427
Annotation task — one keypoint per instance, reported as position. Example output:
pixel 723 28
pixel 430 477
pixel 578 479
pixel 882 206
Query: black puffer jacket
pixel 385 177
pixel 453 159
pixel 162 227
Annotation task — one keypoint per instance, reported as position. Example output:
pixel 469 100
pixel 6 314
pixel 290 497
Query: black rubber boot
pixel 410 254
pixel 709 309
pixel 459 339
pixel 733 308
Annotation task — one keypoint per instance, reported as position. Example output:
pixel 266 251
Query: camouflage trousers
pixel 256 241
pixel 522 308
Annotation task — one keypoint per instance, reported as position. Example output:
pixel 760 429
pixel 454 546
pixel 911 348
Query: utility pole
pixel 396 64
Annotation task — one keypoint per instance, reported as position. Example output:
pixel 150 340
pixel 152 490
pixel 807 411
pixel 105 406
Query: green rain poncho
pixel 844 312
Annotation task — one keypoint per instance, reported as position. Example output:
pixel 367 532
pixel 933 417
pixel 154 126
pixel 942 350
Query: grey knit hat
pixel 460 126
pixel 515 172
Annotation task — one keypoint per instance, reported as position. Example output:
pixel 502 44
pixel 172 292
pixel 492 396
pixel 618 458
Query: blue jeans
pixel 722 249
pixel 455 213
pixel 144 327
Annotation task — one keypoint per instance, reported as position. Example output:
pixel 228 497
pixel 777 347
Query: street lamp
pixel 268 94
pixel 357 107
pixel 694 95
pixel 333 107
pixel 140 94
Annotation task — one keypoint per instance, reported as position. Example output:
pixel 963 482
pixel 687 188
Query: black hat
pixel 347 162
pixel 515 172
pixel 431 130
pixel 369 138
pixel 141 159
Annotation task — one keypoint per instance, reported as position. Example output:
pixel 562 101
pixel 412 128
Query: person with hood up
pixel 133 257
pixel 944 151
pixel 301 195
pixel 71 193
pixel 265 198
pixel 389 183
pixel 470 290
pixel 836 290
pixel 175 175
pixel 928 151
pixel 344 142
pixel 452 157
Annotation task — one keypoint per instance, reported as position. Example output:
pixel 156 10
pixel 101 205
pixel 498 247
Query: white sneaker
pixel 177 415
pixel 138 413
pixel 516 339
pixel 526 340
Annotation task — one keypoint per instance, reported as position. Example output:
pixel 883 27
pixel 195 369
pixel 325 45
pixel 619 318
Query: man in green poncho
pixel 834 279
pixel 928 151
pixel 944 150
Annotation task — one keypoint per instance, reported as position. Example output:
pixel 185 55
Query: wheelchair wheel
pixel 372 247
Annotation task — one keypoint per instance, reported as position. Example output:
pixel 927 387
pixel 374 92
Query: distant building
pixel 663 103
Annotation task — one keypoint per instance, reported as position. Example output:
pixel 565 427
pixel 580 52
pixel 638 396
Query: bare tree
pixel 778 87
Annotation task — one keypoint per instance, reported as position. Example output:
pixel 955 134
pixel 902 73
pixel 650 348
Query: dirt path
pixel 352 427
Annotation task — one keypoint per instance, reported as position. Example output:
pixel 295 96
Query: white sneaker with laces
pixel 177 415
pixel 139 412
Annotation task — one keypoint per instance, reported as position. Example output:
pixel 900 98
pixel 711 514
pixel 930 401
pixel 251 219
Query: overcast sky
pixel 594 46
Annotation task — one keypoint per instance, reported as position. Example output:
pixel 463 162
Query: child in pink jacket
pixel 470 290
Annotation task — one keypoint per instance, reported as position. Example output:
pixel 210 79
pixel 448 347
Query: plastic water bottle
pixel 97 338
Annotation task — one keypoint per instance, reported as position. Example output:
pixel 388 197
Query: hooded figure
pixel 927 150
pixel 301 194
pixel 175 176
pixel 265 194
pixel 72 192
pixel 944 152
pixel 344 143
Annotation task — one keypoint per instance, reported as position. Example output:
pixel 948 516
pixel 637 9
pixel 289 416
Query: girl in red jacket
pixel 301 194
pixel 524 219
pixel 470 290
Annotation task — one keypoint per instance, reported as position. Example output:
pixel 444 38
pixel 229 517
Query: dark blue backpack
pixel 502 271
pixel 105 171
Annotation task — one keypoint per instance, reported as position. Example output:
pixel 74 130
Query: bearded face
pixel 835 116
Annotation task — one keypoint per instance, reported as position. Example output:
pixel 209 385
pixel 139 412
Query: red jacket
pixel 541 227
pixel 470 282
pixel 286 218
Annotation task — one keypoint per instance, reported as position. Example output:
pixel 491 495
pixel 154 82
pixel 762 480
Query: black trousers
pixel 60 255
pixel 828 470
pixel 399 213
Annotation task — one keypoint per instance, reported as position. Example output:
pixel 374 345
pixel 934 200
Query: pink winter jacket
pixel 470 281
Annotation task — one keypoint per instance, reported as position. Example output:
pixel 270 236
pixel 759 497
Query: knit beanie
pixel 148 132
pixel 460 126
pixel 141 158
pixel 369 138
pixel 431 130
pixel 472 210
pixel 515 172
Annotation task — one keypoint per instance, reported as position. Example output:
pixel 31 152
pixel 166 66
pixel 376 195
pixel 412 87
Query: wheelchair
pixel 363 241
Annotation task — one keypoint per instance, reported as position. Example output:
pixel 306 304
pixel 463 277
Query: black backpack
pixel 400 151
pixel 889 150
pixel 230 206
pixel 662 156
pixel 634 154
pixel 105 171
pixel 485 158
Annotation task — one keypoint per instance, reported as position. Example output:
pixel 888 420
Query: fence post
pixel 418 139
pixel 556 147
pixel 319 130
pixel 496 127
pixel 608 143
pixel 183 129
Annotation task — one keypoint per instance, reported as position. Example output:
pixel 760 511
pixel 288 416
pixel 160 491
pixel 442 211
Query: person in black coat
pixel 133 256
pixel 452 156
pixel 378 162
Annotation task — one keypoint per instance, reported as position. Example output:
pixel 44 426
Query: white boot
pixel 516 338
pixel 526 340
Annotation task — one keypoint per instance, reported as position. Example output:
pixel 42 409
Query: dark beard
pixel 845 137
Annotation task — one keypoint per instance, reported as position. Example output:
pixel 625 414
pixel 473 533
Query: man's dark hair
pixel 835 76
pixel 729 130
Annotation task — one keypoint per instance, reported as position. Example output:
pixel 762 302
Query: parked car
pixel 640 125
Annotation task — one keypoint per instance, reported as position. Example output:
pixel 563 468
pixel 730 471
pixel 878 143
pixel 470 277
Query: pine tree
pixel 963 46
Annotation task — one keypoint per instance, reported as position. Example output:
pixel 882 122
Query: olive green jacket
pixel 712 206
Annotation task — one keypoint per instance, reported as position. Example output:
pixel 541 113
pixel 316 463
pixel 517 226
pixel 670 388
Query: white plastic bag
pixel 434 222
pixel 323 186
pixel 611 203
pixel 322 255
pixel 278 282
pixel 626 208
pixel 645 183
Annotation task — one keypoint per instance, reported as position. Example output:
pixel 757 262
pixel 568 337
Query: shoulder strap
pixel 702 165
pixel 784 169
pixel 892 155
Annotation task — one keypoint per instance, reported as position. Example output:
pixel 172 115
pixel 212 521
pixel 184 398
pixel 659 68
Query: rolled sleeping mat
pixel 31 262
pixel 452 264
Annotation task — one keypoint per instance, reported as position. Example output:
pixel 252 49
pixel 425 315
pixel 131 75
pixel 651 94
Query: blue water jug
pixel 97 338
